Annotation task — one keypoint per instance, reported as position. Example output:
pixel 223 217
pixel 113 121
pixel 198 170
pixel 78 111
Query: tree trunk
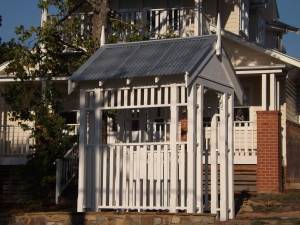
pixel 100 18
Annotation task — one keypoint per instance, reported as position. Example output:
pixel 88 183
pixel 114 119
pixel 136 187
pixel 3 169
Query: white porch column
pixel 191 149
pixel 273 89
pixel 223 149
pixel 278 95
pixel 174 150
pixel 231 158
pixel 264 92
pixel 81 169
pixel 199 121
pixel 97 142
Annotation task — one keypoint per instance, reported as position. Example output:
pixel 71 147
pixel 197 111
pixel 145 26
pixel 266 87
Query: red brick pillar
pixel 269 176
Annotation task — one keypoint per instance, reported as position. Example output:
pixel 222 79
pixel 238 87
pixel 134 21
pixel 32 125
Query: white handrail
pixel 66 170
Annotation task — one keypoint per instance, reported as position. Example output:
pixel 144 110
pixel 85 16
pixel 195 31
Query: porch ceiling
pixel 148 58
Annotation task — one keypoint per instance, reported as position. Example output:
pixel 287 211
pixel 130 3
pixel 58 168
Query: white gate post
pixel 96 153
pixel 81 169
pixel 223 149
pixel 199 119
pixel 191 149
pixel 174 149
pixel 231 149
pixel 214 164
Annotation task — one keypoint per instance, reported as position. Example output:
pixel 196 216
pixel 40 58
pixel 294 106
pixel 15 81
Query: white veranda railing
pixel 14 141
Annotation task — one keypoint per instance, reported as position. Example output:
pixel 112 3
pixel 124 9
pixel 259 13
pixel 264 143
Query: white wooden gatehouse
pixel 146 162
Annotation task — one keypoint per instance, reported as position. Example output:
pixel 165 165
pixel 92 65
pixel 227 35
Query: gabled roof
pixel 147 58
pixel 269 52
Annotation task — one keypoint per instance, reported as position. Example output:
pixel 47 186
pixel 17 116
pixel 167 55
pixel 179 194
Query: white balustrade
pixel 14 141
pixel 245 141
pixel 66 170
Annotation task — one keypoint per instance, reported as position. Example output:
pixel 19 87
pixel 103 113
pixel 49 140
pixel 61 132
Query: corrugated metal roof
pixel 147 58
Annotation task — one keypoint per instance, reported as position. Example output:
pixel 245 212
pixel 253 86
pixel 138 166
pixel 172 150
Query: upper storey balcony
pixel 154 22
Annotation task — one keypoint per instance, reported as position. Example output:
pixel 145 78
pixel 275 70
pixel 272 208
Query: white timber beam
pixel 97 142
pixel 199 121
pixel 214 164
pixel 102 38
pixel 231 157
pixel 264 92
pixel 273 88
pixel 241 72
pixel 219 44
pixel 174 150
pixel 81 165
pixel 223 149
pixel 44 15
pixel 191 149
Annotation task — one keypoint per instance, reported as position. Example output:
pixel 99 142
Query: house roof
pixel 269 52
pixel 148 58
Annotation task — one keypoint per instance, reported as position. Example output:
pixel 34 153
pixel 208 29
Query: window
pixel 260 39
pixel 241 114
pixel 70 116
pixel 244 17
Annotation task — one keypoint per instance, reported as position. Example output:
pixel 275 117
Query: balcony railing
pixel 156 22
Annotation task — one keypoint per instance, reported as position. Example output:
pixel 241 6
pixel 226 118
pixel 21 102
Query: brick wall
pixel 269 176
pixel 292 179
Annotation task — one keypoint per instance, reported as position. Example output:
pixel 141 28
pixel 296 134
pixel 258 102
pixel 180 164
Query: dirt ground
pixel 251 208
pixel 259 209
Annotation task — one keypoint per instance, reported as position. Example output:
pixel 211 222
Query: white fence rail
pixel 14 141
pixel 138 176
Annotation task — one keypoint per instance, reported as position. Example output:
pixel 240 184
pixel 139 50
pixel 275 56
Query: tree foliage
pixel 44 53
pixel 39 56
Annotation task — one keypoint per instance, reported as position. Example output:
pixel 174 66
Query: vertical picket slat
pixel 130 167
pixel 144 172
pixel 126 97
pixel 139 97
pixel 104 181
pixel 124 178
pixel 166 95
pixel 158 176
pixel 152 96
pixel 117 181
pixel 146 96
pixel 182 175
pixel 151 177
pixel 111 176
pixel 159 96
pixel 119 98
pixel 138 177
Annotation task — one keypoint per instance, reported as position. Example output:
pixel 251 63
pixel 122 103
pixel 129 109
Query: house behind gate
pixel 148 98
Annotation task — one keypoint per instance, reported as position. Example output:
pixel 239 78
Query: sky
pixel 25 12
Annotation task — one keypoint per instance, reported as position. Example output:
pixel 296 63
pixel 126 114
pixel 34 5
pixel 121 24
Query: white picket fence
pixel 138 176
